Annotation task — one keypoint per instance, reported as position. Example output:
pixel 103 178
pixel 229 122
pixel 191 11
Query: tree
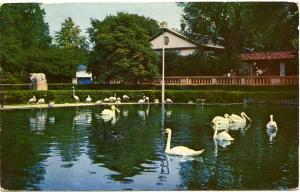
pixel 69 36
pixel 227 20
pixel 121 47
pixel 22 27
pixel 276 31
pixel 262 26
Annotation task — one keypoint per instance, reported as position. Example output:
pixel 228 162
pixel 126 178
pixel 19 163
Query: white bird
pixel 32 100
pixel 223 136
pixel 98 102
pixel 239 119
pixel 118 101
pixel 51 104
pixel 41 101
pixel 141 101
pixel 106 100
pixel 220 119
pixel 223 122
pixel 110 112
pixel 88 99
pixel 179 150
pixel 272 124
pixel 125 97
pixel 147 99
pixel 112 99
pixel 169 100
pixel 75 96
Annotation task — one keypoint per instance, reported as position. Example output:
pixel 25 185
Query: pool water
pixel 75 149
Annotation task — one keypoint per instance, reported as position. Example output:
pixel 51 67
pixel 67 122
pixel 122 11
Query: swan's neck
pixel 271 119
pixel 168 147
pixel 243 116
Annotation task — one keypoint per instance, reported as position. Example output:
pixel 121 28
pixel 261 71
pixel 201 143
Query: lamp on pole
pixel 166 42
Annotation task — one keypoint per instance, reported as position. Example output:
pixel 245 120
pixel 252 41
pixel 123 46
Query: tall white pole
pixel 163 71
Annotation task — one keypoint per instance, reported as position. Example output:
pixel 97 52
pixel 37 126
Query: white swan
pixel 98 102
pixel 32 100
pixel 179 150
pixel 88 99
pixel 272 124
pixel 239 119
pixel 75 96
pixel 223 136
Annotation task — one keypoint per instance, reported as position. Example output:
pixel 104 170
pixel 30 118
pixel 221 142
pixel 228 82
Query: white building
pixel 82 76
pixel 182 43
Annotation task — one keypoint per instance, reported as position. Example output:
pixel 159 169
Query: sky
pixel 82 12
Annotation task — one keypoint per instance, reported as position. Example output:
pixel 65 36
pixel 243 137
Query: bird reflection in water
pixel 82 118
pixel 272 134
pixel 143 112
pixel 37 124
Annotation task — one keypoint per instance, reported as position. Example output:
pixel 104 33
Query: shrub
pixel 211 96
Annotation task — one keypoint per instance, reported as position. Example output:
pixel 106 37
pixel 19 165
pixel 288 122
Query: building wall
pixel 174 42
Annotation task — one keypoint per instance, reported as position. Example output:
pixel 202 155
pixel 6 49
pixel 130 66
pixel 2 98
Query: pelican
pixel 179 150
pixel 41 101
pixel 110 112
pixel 220 119
pixel 272 124
pixel 239 119
pixel 98 102
pixel 32 100
pixel 75 96
pixel 88 99
pixel 169 100
pixel 223 136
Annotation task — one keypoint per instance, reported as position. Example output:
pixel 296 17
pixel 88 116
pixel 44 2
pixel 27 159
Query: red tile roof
pixel 267 55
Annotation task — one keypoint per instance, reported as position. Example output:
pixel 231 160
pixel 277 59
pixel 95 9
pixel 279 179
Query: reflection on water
pixel 272 134
pixel 76 149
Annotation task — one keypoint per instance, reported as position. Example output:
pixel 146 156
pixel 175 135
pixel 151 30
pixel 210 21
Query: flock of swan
pixel 223 138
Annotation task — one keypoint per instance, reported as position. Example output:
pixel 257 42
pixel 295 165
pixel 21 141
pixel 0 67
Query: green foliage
pixel 122 49
pixel 262 26
pixel 211 95
pixel 69 36
pixel 195 64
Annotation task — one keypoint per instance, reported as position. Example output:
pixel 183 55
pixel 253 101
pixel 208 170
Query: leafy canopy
pixel 121 47
pixel 69 36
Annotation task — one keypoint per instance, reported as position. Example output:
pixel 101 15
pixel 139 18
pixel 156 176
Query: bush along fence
pixel 178 96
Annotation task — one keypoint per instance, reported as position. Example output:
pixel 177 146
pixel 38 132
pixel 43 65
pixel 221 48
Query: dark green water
pixel 74 149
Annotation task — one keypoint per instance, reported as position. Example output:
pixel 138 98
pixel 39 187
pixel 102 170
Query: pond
pixel 75 149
